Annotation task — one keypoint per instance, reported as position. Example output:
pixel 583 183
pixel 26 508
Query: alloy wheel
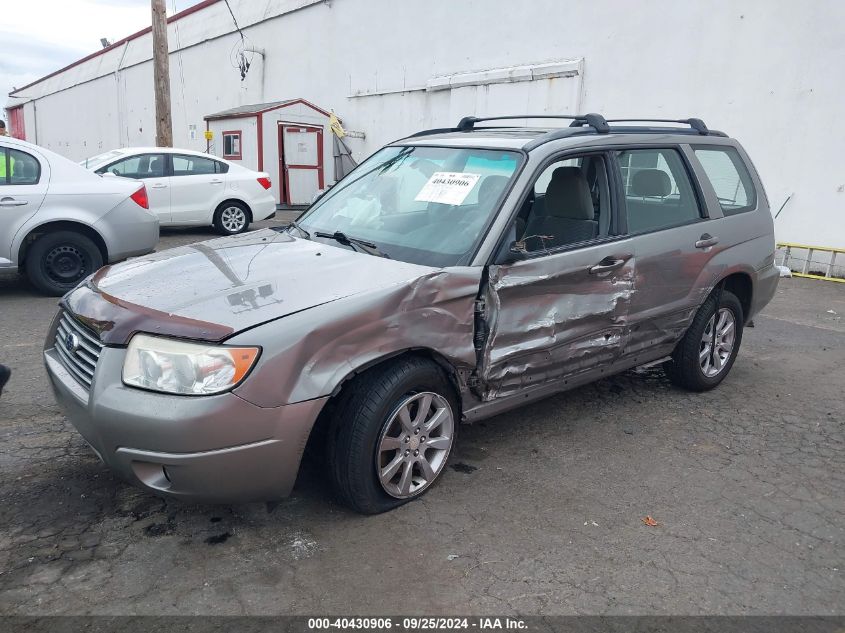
pixel 414 444
pixel 233 219
pixel 717 347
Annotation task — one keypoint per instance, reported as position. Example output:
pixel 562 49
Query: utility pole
pixel 161 76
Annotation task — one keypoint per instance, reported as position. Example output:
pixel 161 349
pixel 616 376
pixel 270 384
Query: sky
pixel 38 37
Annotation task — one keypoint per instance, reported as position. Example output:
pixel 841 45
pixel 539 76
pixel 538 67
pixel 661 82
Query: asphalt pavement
pixel 541 512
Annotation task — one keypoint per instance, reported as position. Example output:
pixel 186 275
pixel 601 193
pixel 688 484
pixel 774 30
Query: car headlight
pixel 181 367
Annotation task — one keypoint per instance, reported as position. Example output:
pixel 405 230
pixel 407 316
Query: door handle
pixel 216 182
pixel 11 202
pixel 706 241
pixel 159 185
pixel 606 265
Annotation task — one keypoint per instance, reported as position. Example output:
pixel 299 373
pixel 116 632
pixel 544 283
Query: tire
pixel 232 218
pixel 689 367
pixel 370 413
pixel 58 261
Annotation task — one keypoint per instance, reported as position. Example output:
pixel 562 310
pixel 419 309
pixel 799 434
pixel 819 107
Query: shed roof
pixel 259 108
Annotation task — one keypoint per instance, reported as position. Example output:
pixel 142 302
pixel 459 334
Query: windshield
pixel 99 159
pixel 424 205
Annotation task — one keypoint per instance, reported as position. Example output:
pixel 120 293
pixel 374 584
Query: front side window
pixel 729 177
pixel 141 166
pixel 193 165
pixel 425 205
pixel 658 190
pixel 18 168
pixel 569 204
pixel 232 145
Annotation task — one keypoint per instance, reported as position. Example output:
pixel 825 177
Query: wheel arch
pixel 452 373
pixel 230 200
pixel 741 285
pixel 61 225
pixel 448 368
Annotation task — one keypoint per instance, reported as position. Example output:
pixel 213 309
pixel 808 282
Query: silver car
pixel 61 222
pixel 453 275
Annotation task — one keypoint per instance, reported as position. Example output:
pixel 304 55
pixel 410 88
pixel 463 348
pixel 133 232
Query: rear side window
pixel 658 190
pixel 197 166
pixel 18 168
pixel 729 177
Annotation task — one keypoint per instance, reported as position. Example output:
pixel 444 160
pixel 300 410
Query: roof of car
pixel 162 150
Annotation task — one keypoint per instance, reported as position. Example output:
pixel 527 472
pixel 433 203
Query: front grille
pixel 78 347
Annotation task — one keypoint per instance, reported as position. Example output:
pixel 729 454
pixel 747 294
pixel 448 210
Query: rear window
pixel 100 159
pixel 729 177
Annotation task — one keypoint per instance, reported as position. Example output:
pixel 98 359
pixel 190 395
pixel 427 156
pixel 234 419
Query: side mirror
pixel 108 174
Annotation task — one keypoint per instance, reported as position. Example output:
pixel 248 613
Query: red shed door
pixel 300 163
pixel 16 126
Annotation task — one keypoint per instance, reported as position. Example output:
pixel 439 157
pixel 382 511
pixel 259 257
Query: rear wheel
pixel 708 350
pixel 58 261
pixel 392 434
pixel 232 218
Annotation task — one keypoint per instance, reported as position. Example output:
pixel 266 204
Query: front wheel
pixel 391 435
pixel 231 218
pixel 58 261
pixel 708 350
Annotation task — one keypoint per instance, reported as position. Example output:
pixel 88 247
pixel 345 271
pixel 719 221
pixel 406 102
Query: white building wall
pixel 249 139
pixel 766 71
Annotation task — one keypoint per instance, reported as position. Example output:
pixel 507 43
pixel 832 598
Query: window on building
pixel 232 145
pixel 18 168
pixel 729 177
pixel 184 165
pixel 658 190
pixel 141 166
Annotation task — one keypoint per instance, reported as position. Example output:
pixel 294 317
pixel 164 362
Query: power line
pixel 240 60
pixel 181 66
pixel 234 19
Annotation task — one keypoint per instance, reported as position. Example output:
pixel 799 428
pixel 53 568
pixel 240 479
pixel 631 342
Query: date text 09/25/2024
pixel 417 623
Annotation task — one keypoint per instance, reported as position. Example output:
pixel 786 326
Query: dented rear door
pixel 555 316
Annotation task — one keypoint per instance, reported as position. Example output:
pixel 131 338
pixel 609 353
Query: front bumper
pixel 218 449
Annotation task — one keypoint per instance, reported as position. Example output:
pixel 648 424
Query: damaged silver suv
pixel 453 275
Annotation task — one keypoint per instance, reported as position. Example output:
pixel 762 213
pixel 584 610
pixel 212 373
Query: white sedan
pixel 190 188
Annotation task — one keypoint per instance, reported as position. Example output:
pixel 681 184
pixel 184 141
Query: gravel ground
pixel 541 512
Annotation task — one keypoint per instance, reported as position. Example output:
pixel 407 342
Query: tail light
pixel 264 182
pixel 140 197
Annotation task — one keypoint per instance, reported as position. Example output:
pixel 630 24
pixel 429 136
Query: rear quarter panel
pixel 69 204
pixel 74 194
pixel 746 239
pixel 242 184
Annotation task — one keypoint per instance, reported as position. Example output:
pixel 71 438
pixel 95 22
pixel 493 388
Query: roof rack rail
pixel 596 121
pixel 696 124
pixel 437 130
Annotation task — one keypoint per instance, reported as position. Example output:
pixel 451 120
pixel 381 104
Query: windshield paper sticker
pixel 447 187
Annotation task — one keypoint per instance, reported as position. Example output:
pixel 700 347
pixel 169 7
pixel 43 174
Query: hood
pixel 211 290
